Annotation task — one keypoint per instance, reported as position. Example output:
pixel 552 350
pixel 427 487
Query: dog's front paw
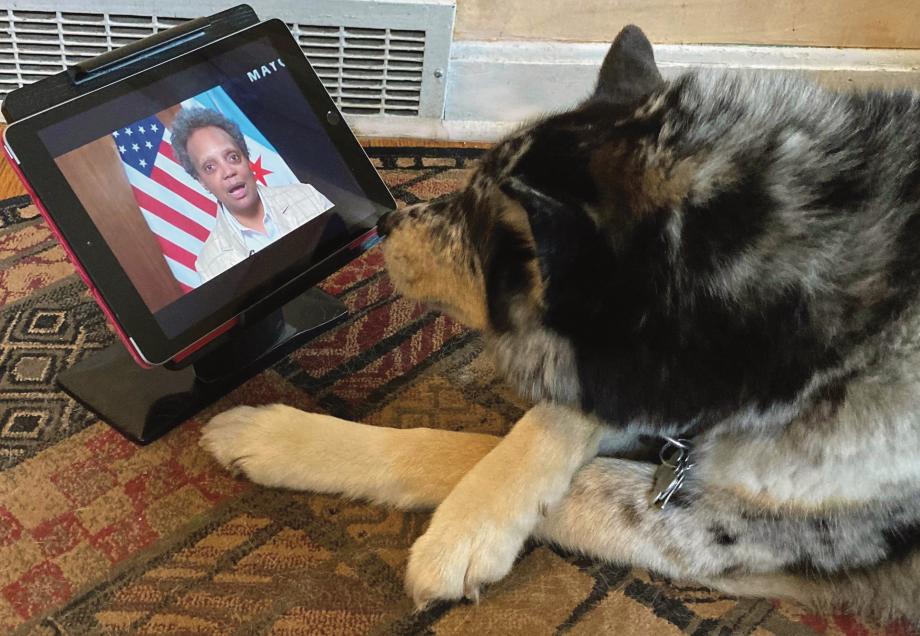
pixel 260 442
pixel 460 552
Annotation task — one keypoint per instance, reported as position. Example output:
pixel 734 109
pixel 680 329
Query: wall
pixel 838 23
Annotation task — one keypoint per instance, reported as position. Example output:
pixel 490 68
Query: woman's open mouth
pixel 237 191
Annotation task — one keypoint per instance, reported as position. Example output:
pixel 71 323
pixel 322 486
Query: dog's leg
pixel 284 447
pixel 608 514
pixel 707 535
pixel 416 468
pixel 476 533
pixel 605 513
pixel 826 557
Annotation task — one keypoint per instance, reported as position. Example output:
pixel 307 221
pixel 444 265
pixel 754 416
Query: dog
pixel 723 264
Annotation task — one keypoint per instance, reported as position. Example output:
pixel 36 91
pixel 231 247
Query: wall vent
pixel 375 57
pixel 367 71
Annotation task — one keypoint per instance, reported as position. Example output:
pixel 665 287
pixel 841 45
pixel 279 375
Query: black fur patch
pixel 722 537
pixel 720 229
pixel 558 161
pixel 904 272
pixel 706 361
pixel 902 540
pixel 507 276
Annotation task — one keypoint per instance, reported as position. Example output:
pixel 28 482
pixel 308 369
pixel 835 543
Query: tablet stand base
pixel 143 404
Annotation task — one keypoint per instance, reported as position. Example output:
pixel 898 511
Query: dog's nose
pixel 385 224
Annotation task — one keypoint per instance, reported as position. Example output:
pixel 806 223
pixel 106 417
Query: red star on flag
pixel 258 171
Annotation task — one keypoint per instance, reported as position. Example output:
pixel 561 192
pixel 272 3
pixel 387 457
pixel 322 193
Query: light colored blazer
pixel 291 206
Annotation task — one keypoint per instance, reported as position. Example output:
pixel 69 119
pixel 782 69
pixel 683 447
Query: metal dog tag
pixel 670 475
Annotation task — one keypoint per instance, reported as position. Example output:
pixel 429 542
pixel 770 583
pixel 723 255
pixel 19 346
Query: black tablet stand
pixel 146 403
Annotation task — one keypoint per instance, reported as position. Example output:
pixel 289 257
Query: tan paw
pixel 265 443
pixel 460 552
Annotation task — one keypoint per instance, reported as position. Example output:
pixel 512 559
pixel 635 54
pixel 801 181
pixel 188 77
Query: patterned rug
pixel 100 536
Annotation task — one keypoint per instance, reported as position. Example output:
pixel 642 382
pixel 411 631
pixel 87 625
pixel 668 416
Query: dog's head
pixel 588 247
pixel 484 254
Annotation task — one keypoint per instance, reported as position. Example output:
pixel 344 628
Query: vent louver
pixel 35 44
pixel 368 70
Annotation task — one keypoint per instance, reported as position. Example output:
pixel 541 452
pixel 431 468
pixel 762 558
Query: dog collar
pixel 676 461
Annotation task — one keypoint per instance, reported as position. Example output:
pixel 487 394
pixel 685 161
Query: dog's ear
pixel 629 72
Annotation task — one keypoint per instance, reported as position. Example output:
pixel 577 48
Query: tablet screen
pixel 206 183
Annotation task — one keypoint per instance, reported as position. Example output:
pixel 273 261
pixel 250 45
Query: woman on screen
pixel 212 149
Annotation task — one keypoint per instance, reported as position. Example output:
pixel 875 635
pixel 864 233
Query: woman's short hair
pixel 191 119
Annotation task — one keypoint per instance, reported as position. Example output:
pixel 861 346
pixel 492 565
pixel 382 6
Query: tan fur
pixel 639 183
pixel 412 256
pixel 516 217
pixel 284 447
pixel 478 529
pixel 477 532
pixel 605 513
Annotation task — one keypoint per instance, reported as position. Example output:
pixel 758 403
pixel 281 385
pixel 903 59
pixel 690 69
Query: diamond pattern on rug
pixel 40 336
pixel 16 211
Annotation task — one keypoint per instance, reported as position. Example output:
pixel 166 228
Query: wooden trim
pixel 10 185
pixel 832 23
pixel 409 142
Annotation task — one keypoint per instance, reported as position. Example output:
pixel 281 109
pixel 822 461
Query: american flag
pixel 178 210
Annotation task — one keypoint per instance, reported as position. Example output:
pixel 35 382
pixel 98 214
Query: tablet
pixel 194 189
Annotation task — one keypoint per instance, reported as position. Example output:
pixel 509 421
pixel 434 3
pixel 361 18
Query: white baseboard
pixel 494 86
pixel 424 128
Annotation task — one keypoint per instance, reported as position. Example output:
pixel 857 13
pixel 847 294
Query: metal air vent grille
pixel 386 61
pixel 367 71
pixel 35 44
